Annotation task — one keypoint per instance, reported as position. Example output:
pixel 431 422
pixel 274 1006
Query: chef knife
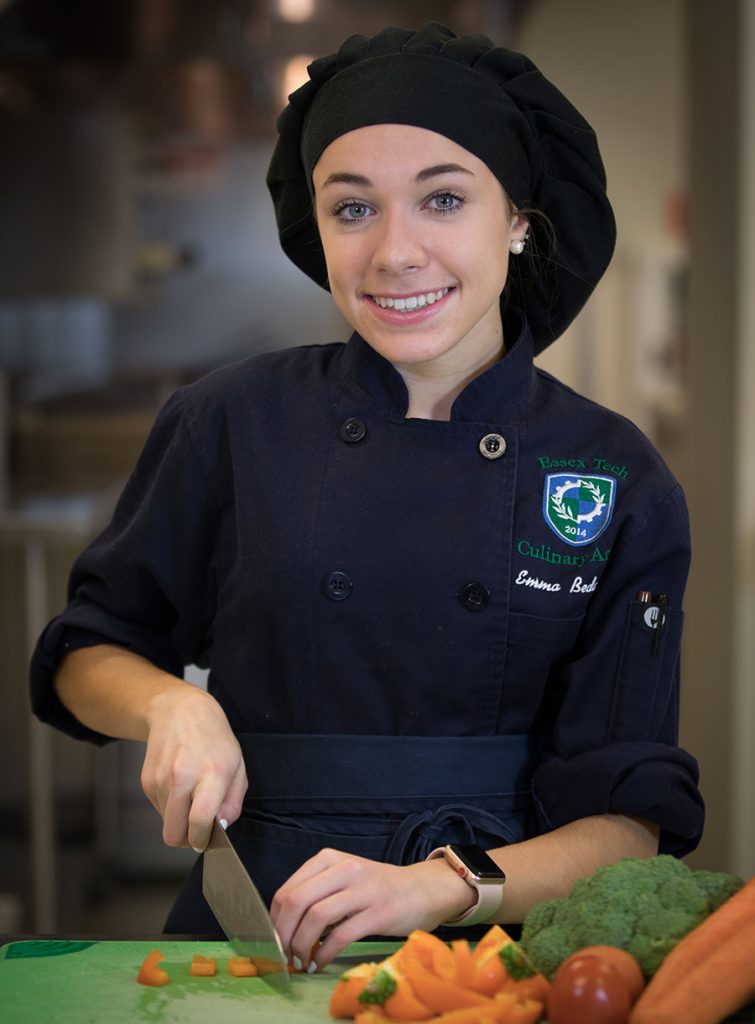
pixel 238 906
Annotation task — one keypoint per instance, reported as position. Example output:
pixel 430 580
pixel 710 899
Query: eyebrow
pixel 347 178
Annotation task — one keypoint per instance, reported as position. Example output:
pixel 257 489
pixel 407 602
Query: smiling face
pixel 416 233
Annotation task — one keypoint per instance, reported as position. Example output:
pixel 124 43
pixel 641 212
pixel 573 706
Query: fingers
pixel 193 768
pixel 230 808
pixel 335 897
pixel 340 898
pixel 205 804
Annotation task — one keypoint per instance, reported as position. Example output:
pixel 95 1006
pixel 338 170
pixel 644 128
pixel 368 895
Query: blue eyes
pixel 351 211
pixel 446 202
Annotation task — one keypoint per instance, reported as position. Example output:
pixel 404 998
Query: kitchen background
pixel 137 251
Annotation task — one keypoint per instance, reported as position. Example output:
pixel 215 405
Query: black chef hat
pixel 497 105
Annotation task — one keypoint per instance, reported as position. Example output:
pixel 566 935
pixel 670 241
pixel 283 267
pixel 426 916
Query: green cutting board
pixel 77 982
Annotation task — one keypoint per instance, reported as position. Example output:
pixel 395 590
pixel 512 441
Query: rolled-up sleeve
pixel 614 708
pixel 147 582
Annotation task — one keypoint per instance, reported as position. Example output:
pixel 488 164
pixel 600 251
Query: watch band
pixel 489 894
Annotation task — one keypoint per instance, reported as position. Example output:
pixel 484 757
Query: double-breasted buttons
pixel 492 446
pixel 474 597
pixel 337 586
pixel 352 430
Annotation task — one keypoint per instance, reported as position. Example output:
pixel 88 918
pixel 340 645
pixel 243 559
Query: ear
pixel 519 227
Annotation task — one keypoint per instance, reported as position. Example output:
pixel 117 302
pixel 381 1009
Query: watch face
pixel 478 862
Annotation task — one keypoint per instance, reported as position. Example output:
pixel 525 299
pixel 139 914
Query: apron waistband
pixel 417 791
pixel 299 767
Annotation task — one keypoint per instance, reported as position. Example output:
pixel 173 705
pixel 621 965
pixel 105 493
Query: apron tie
pixel 420 833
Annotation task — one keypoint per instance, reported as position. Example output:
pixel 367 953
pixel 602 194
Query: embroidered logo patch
pixel 578 508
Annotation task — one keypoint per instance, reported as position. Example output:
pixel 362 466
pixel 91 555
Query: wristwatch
pixel 480 872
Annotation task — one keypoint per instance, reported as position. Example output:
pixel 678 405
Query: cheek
pixel 344 256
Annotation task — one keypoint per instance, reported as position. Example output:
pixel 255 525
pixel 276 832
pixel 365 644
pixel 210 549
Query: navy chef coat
pixel 516 571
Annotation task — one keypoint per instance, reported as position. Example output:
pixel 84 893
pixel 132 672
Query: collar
pixel 502 393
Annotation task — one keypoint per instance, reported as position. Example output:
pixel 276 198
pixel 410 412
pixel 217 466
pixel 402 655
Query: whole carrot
pixel 718 985
pixel 695 947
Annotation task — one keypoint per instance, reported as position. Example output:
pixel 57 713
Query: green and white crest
pixel 578 508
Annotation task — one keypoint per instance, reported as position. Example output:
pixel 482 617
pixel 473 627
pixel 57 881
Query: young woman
pixel 439 593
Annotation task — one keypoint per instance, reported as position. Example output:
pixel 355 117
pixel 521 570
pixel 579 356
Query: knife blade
pixel 239 908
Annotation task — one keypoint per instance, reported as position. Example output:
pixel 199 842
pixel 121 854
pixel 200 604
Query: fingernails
pixel 197 850
pixel 223 823
pixel 311 967
pixel 297 963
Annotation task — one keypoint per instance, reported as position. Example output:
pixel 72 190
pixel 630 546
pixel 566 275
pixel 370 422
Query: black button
pixel 352 430
pixel 337 586
pixel 492 446
pixel 475 597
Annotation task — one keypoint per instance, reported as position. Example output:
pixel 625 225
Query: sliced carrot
pixel 404 1004
pixel 439 994
pixel 535 987
pixel 494 938
pixel 344 999
pixel 490 976
pixel 203 966
pixel 242 967
pixel 526 1012
pixel 150 973
pixel 434 954
pixel 496 1013
pixel 464 972
pixel 716 987
pixel 370 1017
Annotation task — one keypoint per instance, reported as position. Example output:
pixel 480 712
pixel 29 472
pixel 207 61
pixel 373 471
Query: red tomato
pixel 624 963
pixel 588 990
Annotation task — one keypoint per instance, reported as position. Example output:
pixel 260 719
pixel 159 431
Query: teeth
pixel 411 301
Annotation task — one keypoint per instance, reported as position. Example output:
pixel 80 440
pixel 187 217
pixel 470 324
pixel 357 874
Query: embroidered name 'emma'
pixel 525 580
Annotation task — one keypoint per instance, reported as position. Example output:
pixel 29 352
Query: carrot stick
pixel 717 986
pixel 695 947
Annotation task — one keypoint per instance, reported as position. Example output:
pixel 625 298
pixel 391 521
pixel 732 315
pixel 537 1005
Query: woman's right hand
pixel 193 769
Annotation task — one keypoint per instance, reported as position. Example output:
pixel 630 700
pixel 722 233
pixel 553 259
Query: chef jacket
pixel 512 576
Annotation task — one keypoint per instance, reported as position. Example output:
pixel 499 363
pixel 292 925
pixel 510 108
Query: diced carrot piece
pixel 242 967
pixel 203 966
pixel 150 973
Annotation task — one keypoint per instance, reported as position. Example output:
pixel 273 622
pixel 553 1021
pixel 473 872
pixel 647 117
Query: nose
pixel 399 246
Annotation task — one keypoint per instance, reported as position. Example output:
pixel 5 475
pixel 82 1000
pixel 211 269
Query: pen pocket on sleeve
pixel 647 678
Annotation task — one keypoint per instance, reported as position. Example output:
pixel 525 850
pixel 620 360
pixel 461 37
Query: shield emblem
pixel 578 508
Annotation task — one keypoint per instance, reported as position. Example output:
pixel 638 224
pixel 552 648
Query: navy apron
pixel 389 798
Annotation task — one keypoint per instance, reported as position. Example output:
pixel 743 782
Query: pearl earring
pixel 517 246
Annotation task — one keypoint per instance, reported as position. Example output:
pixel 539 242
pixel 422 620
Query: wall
pixel 720 452
pixel 670 90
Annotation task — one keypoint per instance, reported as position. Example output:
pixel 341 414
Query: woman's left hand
pixel 340 898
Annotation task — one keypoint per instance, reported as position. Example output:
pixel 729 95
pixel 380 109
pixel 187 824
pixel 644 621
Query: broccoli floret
pixel 717 886
pixel 643 906
pixel 542 914
pixel 648 953
pixel 548 948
